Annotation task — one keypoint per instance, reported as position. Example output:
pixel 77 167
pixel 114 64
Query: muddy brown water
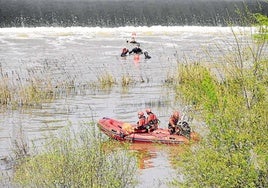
pixel 80 56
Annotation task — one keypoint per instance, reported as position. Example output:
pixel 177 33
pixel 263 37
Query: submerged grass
pixel 30 94
pixel 106 80
pixel 31 89
pixel 37 88
pixel 83 159
pixel 126 80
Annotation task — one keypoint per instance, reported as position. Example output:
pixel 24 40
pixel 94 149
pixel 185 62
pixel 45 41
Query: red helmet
pixel 140 113
pixel 176 114
pixel 148 110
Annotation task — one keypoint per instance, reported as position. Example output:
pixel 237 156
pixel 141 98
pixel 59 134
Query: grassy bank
pixel 234 106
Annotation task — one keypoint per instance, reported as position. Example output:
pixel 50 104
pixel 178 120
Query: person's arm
pixel 171 122
pixel 138 123
pixel 141 122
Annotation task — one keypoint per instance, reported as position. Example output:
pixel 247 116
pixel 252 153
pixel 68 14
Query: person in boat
pixel 141 124
pixel 151 120
pixel 173 123
pixel 124 52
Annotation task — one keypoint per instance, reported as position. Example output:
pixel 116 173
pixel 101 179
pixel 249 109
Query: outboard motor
pixel 185 129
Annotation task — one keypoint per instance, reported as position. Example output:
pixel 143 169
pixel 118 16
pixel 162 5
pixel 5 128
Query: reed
pixel 31 89
pixel 5 92
pixel 126 81
pixel 106 80
pixel 38 86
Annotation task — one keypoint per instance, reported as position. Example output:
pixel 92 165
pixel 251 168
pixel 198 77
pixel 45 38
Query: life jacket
pixel 152 119
pixel 174 120
pixel 142 121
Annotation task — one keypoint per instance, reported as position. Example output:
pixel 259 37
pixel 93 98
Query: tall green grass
pixel 81 159
pixel 235 109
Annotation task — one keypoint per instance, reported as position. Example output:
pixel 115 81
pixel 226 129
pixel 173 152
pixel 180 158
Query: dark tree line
pixel 124 13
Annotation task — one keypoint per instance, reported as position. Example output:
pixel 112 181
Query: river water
pixel 79 55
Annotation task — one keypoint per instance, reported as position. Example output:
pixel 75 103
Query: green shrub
pixel 83 159
pixel 234 153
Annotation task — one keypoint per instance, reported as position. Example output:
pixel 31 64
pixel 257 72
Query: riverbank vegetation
pixel 232 98
pixel 81 159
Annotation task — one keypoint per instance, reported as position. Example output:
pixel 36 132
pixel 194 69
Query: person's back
pixel 141 124
pixel 173 121
pixel 151 120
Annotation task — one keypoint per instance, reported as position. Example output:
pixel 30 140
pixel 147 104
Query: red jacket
pixel 173 121
pixel 141 122
pixel 151 119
